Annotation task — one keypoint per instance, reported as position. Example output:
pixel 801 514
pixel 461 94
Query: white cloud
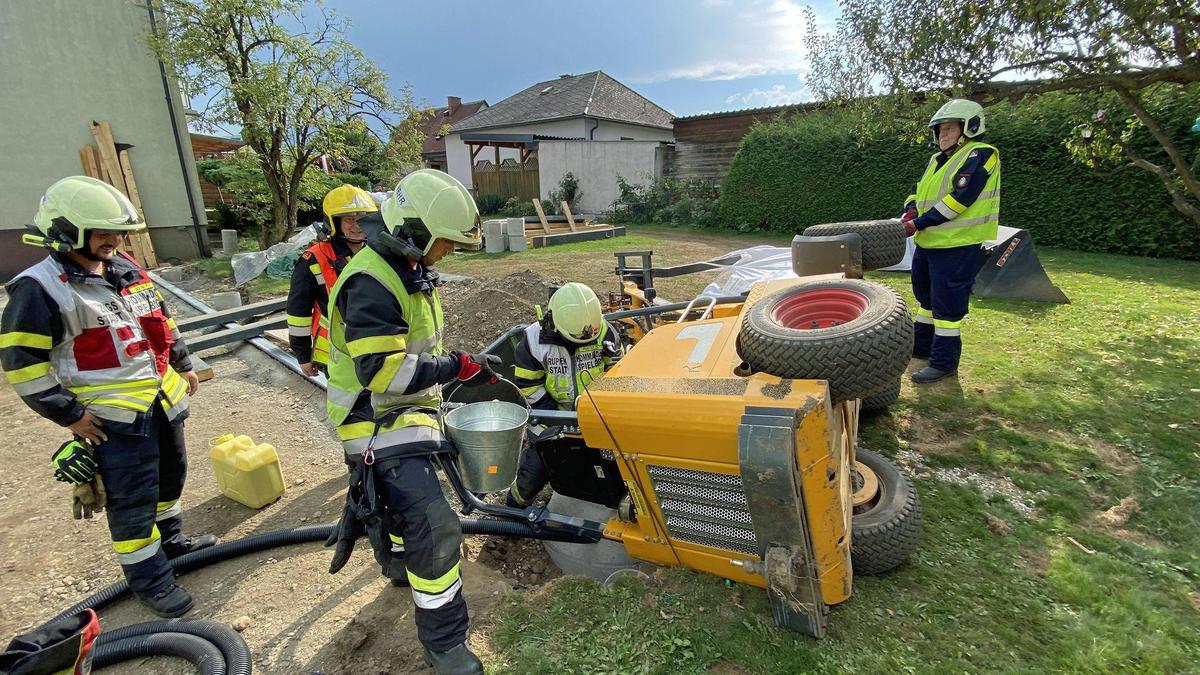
pixel 763 37
pixel 764 98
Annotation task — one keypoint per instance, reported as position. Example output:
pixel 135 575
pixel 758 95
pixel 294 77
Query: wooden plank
pixel 109 163
pixel 566 209
pixel 201 368
pixel 130 184
pixel 149 257
pixel 537 206
pixel 229 315
pixel 87 157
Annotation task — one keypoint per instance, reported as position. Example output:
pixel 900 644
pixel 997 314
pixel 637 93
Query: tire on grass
pixel 882 399
pixel 854 334
pixel 887 526
pixel 883 241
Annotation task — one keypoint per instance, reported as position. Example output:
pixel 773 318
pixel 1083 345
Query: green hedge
pixel 809 169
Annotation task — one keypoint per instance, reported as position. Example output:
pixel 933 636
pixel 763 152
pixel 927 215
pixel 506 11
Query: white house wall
pixel 596 164
pixel 616 131
pixel 458 154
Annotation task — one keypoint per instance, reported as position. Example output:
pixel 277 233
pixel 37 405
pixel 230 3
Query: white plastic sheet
pixel 757 263
pixel 247 266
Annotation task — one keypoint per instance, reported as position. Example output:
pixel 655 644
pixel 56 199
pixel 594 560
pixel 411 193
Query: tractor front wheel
pixel 886 515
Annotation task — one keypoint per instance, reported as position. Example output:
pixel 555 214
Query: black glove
pixel 476 369
pixel 348 531
pixel 73 462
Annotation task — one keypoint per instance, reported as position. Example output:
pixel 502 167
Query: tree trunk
pixel 269 235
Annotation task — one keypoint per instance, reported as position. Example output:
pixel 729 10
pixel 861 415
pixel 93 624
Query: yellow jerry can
pixel 247 472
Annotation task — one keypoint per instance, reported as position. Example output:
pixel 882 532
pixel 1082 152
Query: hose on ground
pixel 204 655
pixel 299 535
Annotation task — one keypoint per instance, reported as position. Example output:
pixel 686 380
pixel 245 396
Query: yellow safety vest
pixel 967 225
pixel 415 414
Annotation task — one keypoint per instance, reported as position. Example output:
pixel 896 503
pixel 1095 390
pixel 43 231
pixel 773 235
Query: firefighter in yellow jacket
pixel 387 365
pixel 317 271
pixel 955 208
pixel 87 342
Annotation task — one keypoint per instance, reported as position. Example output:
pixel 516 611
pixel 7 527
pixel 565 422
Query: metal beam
pixel 233 314
pixel 234 333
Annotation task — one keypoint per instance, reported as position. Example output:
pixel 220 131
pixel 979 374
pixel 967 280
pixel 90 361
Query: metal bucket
pixel 489 436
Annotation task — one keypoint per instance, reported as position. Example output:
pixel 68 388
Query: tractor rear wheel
pixel 854 334
pixel 886 514
pixel 883 241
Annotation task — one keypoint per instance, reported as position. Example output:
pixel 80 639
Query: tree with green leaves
pixel 285 73
pixel 1128 62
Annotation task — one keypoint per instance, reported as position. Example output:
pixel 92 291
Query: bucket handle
pixel 501 378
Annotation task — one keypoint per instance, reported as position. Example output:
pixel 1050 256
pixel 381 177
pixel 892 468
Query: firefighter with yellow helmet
pixel 558 357
pixel 955 208
pixel 387 365
pixel 87 342
pixel 338 239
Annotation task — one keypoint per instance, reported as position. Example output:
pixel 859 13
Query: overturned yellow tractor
pixel 724 440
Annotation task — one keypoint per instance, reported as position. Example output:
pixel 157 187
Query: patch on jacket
pixel 962 180
pixel 307 255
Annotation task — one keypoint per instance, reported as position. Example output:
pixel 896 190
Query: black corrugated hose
pixel 182 637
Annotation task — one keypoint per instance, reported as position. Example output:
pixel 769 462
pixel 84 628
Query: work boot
pixel 930 374
pixel 190 544
pixel 456 661
pixel 170 602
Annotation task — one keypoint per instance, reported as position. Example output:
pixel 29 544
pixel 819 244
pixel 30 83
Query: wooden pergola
pixel 526 184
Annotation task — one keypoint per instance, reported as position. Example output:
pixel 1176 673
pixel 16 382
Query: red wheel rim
pixel 820 308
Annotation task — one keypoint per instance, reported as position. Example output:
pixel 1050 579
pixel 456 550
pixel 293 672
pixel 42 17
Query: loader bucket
pixel 1011 269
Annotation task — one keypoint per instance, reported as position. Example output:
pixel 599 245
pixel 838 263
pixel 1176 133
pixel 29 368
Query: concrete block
pixel 514 227
pixel 226 300
pixel 517 242
pixel 229 242
pixel 493 243
pixel 171 274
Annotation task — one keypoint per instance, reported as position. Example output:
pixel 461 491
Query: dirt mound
pixel 479 310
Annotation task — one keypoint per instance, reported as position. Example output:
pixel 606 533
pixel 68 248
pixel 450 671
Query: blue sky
pixel 687 56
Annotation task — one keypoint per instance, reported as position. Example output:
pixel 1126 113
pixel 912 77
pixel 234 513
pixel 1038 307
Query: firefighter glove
pixel 476 369
pixel 73 462
pixel 88 498
pixel 347 531
pixel 907 221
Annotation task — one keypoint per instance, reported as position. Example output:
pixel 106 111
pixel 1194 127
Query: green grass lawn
pixel 1075 407
pixel 1079 406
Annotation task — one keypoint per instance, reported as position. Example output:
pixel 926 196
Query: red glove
pixel 475 369
pixel 907 221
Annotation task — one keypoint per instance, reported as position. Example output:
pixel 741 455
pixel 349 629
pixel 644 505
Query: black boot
pixel 170 602
pixel 930 374
pixel 457 661
pixel 190 544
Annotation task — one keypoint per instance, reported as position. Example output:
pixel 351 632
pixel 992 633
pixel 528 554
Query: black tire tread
pixel 881 545
pixel 883 241
pixel 882 399
pixel 855 364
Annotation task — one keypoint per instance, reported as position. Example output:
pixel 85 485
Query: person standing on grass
pixel 317 271
pixel 954 209
pixel 87 342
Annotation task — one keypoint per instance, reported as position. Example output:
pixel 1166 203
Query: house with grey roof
pixel 590 125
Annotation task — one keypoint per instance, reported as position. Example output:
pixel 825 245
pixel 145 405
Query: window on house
pixel 627 138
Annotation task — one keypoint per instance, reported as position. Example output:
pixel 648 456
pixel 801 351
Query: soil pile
pixel 479 310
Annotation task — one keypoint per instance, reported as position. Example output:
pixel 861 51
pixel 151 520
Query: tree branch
pixel 1164 139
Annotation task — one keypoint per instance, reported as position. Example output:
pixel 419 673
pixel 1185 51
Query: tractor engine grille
pixel 706 508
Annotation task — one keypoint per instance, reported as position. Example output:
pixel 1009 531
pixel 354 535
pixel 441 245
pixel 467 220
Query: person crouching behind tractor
pixel 956 207
pixel 387 366
pixel 558 356
pixel 87 342
pixel 317 271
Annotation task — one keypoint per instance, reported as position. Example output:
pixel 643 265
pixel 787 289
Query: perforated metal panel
pixel 704 507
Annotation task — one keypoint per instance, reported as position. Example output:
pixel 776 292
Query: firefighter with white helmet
pixel 87 342
pixel 954 208
pixel 338 239
pixel 387 365
pixel 558 357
